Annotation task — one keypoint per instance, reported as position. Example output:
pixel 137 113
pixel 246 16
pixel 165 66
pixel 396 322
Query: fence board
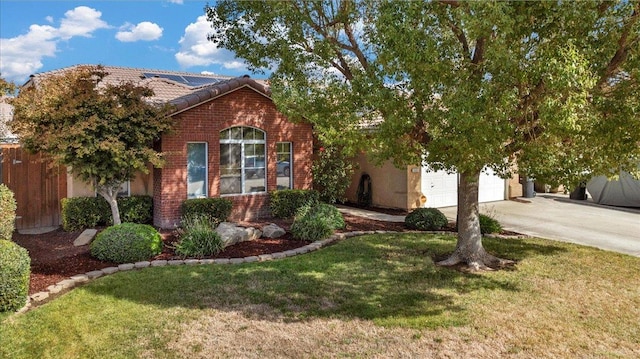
pixel 37 185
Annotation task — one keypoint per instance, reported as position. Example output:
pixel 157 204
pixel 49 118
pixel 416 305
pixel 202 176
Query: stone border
pixel 76 280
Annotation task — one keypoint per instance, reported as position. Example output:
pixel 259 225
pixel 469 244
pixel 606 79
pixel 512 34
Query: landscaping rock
pixel 273 231
pixel 85 237
pixel 232 234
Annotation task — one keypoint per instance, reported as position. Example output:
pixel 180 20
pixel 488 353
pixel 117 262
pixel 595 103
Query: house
pixel 418 186
pixel 229 140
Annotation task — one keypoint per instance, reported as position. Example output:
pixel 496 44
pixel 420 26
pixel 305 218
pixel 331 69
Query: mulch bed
pixel 55 258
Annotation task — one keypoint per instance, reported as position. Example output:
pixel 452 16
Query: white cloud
pixel 22 55
pixel 176 1
pixel 196 50
pixel 49 19
pixel 144 31
pixel 81 21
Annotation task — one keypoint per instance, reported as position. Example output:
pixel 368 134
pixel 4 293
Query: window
pixel 284 165
pixel 242 161
pixel 196 170
pixel 125 189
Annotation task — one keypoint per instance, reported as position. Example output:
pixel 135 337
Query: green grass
pixel 365 290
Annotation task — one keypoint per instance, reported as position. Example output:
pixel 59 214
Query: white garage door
pixel 492 187
pixel 441 188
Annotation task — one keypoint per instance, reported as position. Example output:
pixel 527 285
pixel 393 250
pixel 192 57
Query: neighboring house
pixel 417 186
pixel 229 140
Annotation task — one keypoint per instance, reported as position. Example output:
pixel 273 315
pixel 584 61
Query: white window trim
pixel 206 170
pixel 291 186
pixel 243 142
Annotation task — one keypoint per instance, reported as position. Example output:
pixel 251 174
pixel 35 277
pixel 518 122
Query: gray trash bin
pixel 527 188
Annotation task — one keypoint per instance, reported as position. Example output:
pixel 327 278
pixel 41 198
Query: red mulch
pixel 54 258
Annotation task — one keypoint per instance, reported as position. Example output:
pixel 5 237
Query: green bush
pixel 136 209
pixel 425 219
pixel 198 237
pixel 217 209
pixel 127 243
pixel 332 171
pixel 489 225
pixel 14 276
pixel 315 222
pixel 285 203
pixel 7 212
pixel 86 212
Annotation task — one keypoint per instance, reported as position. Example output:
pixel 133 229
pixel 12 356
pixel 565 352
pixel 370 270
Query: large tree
pixel 552 87
pixel 103 132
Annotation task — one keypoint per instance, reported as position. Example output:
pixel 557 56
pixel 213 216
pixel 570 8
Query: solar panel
pixel 200 80
pixel 191 81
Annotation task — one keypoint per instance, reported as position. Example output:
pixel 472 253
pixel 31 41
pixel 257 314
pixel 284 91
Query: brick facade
pixel 203 123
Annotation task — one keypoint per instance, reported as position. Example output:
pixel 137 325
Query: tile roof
pixel 174 86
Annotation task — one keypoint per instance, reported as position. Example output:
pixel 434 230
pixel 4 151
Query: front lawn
pixel 370 296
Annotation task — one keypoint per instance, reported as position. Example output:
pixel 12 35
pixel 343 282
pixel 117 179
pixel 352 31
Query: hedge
pixel 426 219
pixel 86 212
pixel 127 243
pixel 15 268
pixel 7 212
pixel 285 203
pixel 216 209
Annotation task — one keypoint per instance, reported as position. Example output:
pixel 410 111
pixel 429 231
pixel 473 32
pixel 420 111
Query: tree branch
pixel 356 47
pixel 461 37
pixel 478 52
pixel 624 45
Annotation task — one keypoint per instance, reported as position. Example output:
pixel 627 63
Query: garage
pixel 441 188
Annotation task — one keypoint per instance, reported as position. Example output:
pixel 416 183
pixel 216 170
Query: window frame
pixel 290 160
pixel 243 142
pixel 206 170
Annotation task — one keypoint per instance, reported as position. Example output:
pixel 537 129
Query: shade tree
pixel 548 88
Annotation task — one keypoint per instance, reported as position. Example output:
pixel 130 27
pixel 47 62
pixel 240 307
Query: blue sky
pixel 38 36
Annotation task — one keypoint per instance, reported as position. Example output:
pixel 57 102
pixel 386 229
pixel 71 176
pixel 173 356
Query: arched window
pixel 242 160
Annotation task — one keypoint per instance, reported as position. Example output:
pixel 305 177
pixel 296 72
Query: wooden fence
pixel 37 185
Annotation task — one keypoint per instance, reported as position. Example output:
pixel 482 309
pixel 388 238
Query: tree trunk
pixel 110 193
pixel 469 249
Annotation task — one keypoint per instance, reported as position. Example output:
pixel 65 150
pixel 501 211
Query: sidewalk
pixel 357 212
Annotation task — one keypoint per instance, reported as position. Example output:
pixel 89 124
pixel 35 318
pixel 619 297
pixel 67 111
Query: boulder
pixel 273 231
pixel 232 234
pixel 85 237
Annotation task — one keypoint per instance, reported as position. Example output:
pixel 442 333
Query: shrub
pixel 332 171
pixel 136 209
pixel 315 222
pixel 217 209
pixel 489 225
pixel 127 243
pixel 7 212
pixel 426 219
pixel 198 237
pixel 86 212
pixel 14 276
pixel 285 203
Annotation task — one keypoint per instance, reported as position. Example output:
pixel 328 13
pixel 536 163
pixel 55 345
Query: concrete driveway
pixel 557 217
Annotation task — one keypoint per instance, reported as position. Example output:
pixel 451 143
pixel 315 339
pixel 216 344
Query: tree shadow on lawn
pixel 384 278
